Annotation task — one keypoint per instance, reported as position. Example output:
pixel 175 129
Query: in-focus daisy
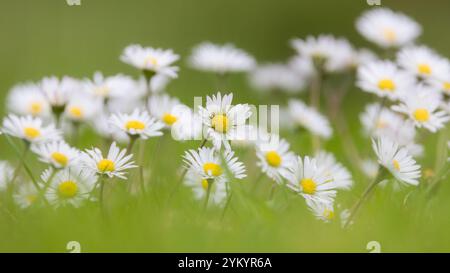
pixel 27 99
pixel 151 60
pixel 29 129
pixel 276 77
pixel 199 186
pixel 309 118
pixel 26 195
pixel 58 91
pixel 70 186
pixel 117 86
pixel 322 210
pixel 137 124
pixel 422 107
pixel 311 181
pixel 340 176
pixel 220 59
pixel 396 160
pixel 82 107
pixel 59 154
pixel 384 79
pixel 208 163
pixel 274 158
pixel 422 61
pixel 6 174
pixel 114 164
pixel 387 28
pixel 223 121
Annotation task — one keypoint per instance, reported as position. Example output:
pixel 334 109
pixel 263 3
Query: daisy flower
pixel 396 160
pixel 208 164
pixel 6 174
pixel 114 164
pixel 384 79
pixel 422 62
pixel 69 187
pixel 378 120
pixel 340 176
pixel 274 158
pixel 26 195
pixel 309 118
pixel 151 60
pixel 29 129
pixel 276 77
pixel 82 107
pixel 387 28
pixel 137 124
pixel 322 210
pixel 223 121
pixel 117 86
pixel 220 59
pixel 58 153
pixel 102 127
pixel 199 186
pixel 422 107
pixel 27 99
pixel 310 180
pixel 58 91
pixel 302 66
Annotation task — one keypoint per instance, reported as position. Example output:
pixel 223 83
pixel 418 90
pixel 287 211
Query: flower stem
pixel 102 188
pixel 20 164
pixel 208 193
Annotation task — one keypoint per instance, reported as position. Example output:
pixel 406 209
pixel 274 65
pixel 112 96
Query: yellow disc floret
pixel 308 185
pixel 220 123
pixel 31 132
pixel 212 169
pixel 106 165
pixel 60 158
pixel 135 124
pixel 424 69
pixel 169 119
pixel 35 108
pixel 386 85
pixel 396 165
pixel 421 115
pixel 76 112
pixel 273 158
pixel 67 189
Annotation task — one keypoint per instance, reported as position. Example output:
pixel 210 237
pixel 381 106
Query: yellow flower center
pixel 212 169
pixel 220 123
pixel 205 184
pixel 76 112
pixel 386 85
pixel 135 124
pixel 101 91
pixel 106 165
pixel 381 124
pixel 396 165
pixel 273 158
pixel 31 198
pixel 152 61
pixel 67 189
pixel 447 86
pixel 389 35
pixel 308 185
pixel 31 132
pixel 424 69
pixel 60 158
pixel 427 173
pixel 169 119
pixel 35 108
pixel 421 115
pixel 328 214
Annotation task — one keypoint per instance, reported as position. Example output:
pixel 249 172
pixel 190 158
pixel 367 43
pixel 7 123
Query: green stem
pixel 208 192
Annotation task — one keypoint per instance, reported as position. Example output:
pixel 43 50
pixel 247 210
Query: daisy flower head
pixel 27 99
pixel 223 121
pixel 58 91
pixel 69 187
pixel 276 77
pixel 396 160
pixel 151 60
pixel 82 107
pixel 310 180
pixel 117 86
pixel 137 124
pixel 113 165
pixel 102 127
pixel 387 28
pixel 378 120
pixel 309 118
pixel 58 154
pixel 26 195
pixel 30 129
pixel 200 185
pixel 210 165
pixel 422 62
pixel 422 107
pixel 220 59
pixel 302 66
pixel 322 210
pixel 340 175
pixel 274 158
pixel 6 174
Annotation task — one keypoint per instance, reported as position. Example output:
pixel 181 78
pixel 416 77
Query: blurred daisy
pixel 151 60
pixel 137 124
pixel 276 77
pixel 303 66
pixel 309 118
pixel 101 125
pixel 422 107
pixel 27 99
pixel 322 210
pixel 117 86
pixel 6 174
pixel 387 28
pixel 199 186
pixel 369 168
pixel 220 59
pixel 378 120
pixel 82 108
pixel 69 187
pixel 58 92
pixel 29 129
pixel 59 154
pixel 422 61
pixel 223 121
pixel 26 195
pixel 340 176
pixel 114 164
pixel 208 164
pixel 396 160
pixel 311 181
pixel 274 158
pixel 384 79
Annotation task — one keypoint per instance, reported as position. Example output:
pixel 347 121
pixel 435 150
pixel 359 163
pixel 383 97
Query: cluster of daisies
pixel 411 88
